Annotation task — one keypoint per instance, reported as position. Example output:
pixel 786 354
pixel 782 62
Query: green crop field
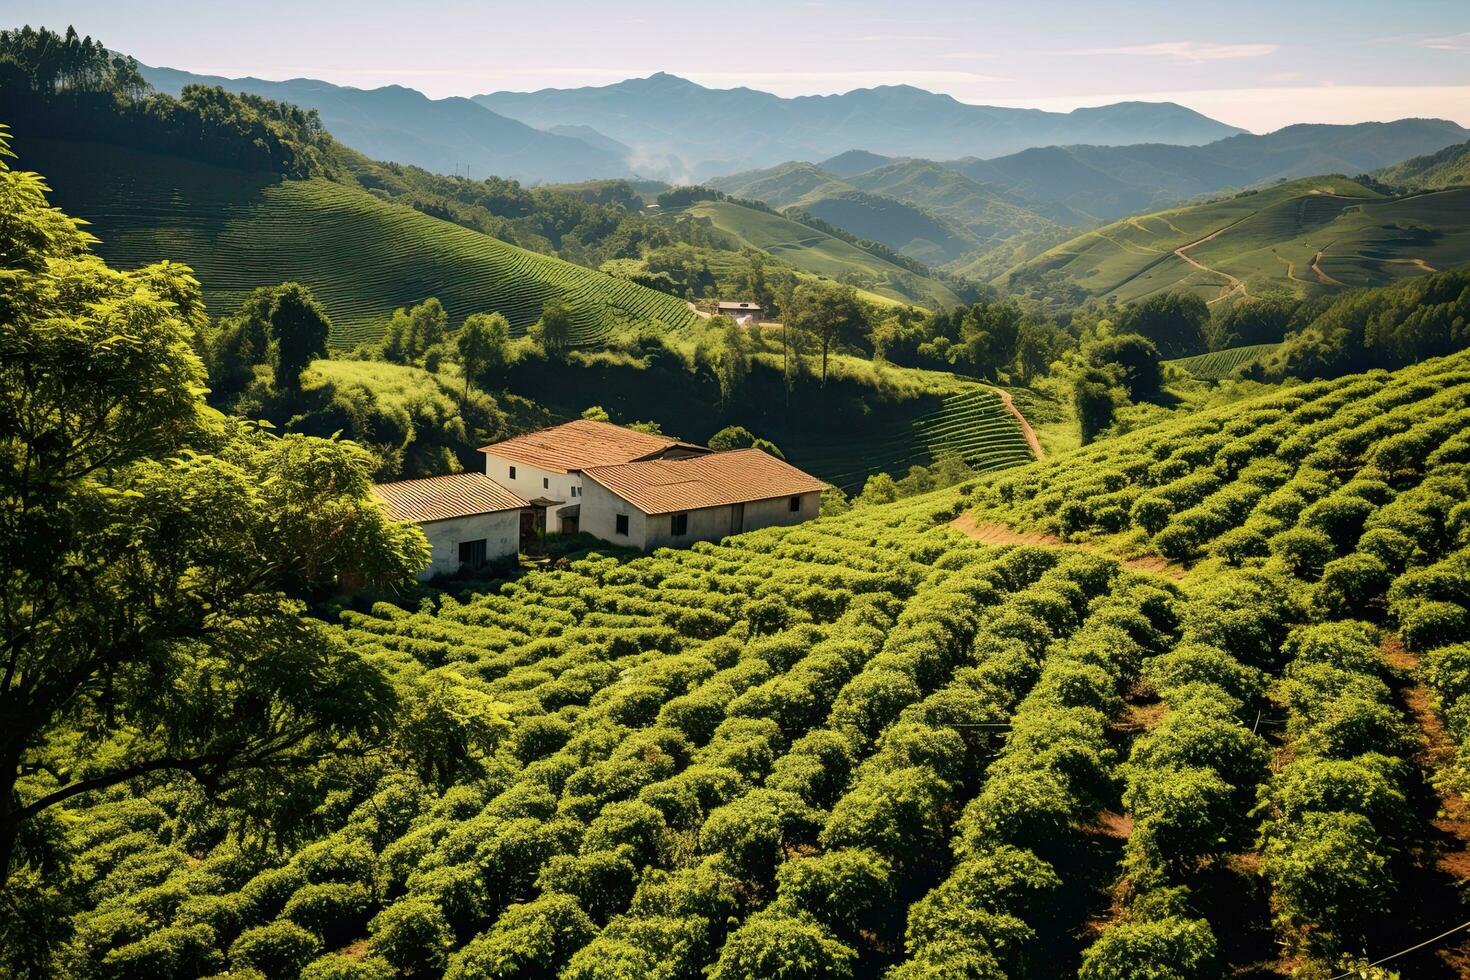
pixel 873 743
pixel 970 423
pixel 821 254
pixel 361 256
pixel 1304 237
pixel 1218 365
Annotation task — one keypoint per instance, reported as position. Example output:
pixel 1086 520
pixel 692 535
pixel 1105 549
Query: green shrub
pixel 1348 585
pixel 534 939
pixel 335 966
pixel 781 947
pixel 411 934
pixel 280 949
pixel 1171 948
pixel 1304 551
pixel 335 911
pixel 1427 625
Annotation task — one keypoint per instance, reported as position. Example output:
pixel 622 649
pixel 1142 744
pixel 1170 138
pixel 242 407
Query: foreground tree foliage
pixel 156 556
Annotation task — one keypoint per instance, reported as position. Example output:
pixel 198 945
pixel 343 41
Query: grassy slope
pixel 360 255
pixel 1269 240
pixel 1449 167
pixel 813 251
pixel 1217 365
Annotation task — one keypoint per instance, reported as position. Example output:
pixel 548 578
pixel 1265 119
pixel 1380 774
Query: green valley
pixel 1302 237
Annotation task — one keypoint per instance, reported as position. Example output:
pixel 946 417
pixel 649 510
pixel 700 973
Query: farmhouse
pixel 545 467
pixel 741 312
pixel 469 519
pixel 672 501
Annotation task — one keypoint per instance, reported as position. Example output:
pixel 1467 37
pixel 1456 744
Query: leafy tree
pixel 832 314
pixel 1094 402
pixel 164 618
pixel 298 332
pixel 739 437
pixel 555 329
pixel 1175 322
pixel 1262 321
pixel 596 413
pixel 1136 358
pixel 483 344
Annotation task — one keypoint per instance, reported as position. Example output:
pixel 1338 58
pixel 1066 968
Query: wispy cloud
pixel 967 55
pixel 1188 52
pixel 1450 42
pixel 891 38
pixel 1283 76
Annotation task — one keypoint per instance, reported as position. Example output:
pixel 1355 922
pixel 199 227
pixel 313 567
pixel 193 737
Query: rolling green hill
pixel 360 255
pixel 821 254
pixel 916 207
pixel 1449 167
pixel 1319 234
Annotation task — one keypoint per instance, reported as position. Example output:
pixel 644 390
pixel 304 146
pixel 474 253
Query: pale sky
pixel 1251 63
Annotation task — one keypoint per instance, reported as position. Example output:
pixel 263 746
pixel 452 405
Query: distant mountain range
pixel 449 136
pixel 715 131
pixel 670 128
pixel 946 213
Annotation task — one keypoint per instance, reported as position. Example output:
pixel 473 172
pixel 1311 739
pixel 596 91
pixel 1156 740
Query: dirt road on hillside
pixel 1000 534
pixel 1026 430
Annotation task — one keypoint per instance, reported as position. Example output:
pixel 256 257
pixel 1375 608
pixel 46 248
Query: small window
pixel 794 504
pixel 576 491
pixel 546 483
pixel 622 524
pixel 512 472
pixel 680 525
pixel 472 553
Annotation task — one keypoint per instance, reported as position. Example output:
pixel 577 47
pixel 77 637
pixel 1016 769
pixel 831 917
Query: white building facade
pixel 669 503
pixel 469 520
pixel 545 467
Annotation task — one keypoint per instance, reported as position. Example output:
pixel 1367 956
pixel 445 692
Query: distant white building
pixel 741 312
pixel 545 467
pixel 669 502
pixel 469 519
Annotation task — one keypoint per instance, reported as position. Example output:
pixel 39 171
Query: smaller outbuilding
pixel 671 502
pixel 741 312
pixel 469 519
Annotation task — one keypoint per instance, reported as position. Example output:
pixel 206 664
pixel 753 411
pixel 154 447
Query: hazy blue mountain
pixel 1108 182
pixel 723 130
pixel 443 135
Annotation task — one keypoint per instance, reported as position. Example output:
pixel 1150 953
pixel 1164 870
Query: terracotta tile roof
pixel 438 498
pixel 661 486
pixel 580 444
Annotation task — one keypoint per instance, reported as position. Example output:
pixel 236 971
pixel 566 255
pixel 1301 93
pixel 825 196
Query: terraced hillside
pixel 821 254
pixel 1304 237
pixel 1219 365
pixel 361 256
pixel 872 747
pixel 971 423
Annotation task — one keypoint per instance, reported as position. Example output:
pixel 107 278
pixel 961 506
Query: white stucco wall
pixel 600 507
pixel 532 483
pixel 501 531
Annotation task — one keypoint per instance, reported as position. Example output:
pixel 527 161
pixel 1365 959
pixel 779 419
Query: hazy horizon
pixel 1250 70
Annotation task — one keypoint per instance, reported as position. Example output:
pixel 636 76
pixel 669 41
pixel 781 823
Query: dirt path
pixel 1323 277
pixel 1233 285
pixel 999 534
pixel 1026 430
pixel 1418 262
pixel 1437 753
